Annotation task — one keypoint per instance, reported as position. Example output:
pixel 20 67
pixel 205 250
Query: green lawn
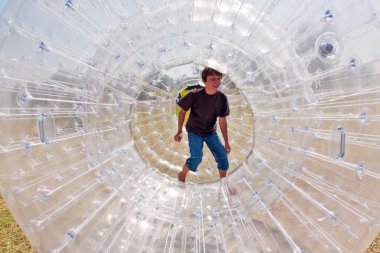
pixel 13 240
pixel 11 237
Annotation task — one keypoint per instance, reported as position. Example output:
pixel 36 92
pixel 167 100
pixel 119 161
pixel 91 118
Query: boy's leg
pixel 183 173
pixel 219 152
pixel 231 190
pixel 196 153
pixel 222 173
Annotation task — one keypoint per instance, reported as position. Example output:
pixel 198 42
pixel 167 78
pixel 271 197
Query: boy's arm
pixel 181 119
pixel 223 128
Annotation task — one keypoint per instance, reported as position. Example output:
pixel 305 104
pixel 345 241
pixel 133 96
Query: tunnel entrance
pixel 154 123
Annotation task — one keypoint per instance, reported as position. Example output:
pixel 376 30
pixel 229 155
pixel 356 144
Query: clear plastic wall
pixel 87 119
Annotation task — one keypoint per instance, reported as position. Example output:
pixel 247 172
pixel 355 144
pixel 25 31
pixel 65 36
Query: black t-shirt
pixel 205 109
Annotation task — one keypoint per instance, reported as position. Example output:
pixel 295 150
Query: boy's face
pixel 213 82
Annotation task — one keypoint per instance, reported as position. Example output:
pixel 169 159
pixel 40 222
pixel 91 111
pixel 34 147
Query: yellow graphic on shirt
pixel 181 95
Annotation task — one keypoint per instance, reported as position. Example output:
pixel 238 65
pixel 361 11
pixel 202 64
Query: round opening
pixel 154 124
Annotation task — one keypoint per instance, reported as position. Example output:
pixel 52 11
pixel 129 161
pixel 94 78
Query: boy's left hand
pixel 227 147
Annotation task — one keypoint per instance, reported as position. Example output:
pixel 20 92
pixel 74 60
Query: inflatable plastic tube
pixel 87 119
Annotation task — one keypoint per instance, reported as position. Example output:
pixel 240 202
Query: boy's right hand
pixel 178 137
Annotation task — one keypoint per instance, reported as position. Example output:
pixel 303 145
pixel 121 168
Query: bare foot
pixel 181 177
pixel 232 190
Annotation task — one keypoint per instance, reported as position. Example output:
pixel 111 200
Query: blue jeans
pixel 215 146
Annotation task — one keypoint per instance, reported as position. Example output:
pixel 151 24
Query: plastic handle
pixel 41 120
pixel 342 145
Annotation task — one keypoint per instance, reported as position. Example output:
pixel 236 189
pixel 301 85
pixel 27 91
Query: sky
pixel 2 4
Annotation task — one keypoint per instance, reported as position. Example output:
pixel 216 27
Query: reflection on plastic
pixel 87 118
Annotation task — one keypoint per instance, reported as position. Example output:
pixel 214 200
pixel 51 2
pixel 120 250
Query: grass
pixel 12 239
pixel 375 246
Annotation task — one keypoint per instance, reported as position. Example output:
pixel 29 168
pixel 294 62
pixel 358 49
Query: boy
pixel 206 106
